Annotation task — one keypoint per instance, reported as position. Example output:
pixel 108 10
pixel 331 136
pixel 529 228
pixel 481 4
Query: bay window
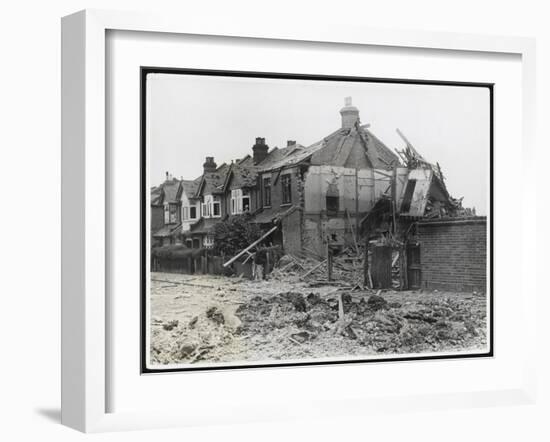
pixel 211 207
pixel 189 213
pixel 170 213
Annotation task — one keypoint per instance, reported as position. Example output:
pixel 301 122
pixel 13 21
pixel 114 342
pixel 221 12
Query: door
pixel 414 274
pixel 381 267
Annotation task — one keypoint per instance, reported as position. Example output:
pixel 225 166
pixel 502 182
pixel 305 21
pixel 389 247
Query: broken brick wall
pixel 453 254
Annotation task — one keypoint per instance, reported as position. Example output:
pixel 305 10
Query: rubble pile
pixel 304 321
pixel 346 266
pixel 203 337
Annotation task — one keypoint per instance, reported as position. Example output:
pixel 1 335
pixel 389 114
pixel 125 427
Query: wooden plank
pixel 313 269
pixel 255 243
pixel 352 230
pixel 366 262
pixel 329 262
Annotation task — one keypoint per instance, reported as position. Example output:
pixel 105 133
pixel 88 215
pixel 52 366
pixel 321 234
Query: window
pixel 332 205
pixel 267 192
pixel 189 212
pixel 285 183
pixel 236 201
pixel 208 241
pixel 216 208
pixel 211 207
pixel 173 213
pixel 240 201
pixel 332 199
pixel 246 203
pixel 170 213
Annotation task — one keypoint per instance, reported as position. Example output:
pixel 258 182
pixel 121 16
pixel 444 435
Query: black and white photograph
pixel 295 220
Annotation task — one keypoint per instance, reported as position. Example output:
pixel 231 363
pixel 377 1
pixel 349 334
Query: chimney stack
pixel 209 165
pixel 290 143
pixel 259 150
pixel 350 114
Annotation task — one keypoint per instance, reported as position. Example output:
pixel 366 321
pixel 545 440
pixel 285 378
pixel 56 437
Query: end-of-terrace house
pixel 157 210
pixel 168 197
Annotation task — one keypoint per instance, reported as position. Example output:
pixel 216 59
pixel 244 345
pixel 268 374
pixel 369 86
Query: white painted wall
pixel 185 203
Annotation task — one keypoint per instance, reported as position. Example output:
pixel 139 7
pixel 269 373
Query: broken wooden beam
pixel 313 269
pixel 255 243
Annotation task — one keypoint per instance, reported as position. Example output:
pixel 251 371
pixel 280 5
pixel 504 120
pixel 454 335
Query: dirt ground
pixel 198 319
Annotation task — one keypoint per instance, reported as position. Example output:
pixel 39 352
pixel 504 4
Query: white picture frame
pixel 85 307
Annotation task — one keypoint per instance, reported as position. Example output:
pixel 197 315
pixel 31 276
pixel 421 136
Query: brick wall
pixel 453 254
pixel 277 190
pixel 292 235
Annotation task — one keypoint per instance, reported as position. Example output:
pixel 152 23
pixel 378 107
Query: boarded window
pixel 333 202
pixel 285 183
pixel 332 199
pixel 407 197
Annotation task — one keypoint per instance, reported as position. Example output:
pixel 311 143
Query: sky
pixel 190 117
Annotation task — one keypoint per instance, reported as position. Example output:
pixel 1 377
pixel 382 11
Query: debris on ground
pixel 278 319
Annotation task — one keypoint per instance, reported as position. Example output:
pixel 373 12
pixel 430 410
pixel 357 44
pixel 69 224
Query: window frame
pixel 236 201
pixel 286 187
pixel 266 189
pixel 332 211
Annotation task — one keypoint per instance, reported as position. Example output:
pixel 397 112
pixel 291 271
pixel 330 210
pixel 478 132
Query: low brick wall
pixel 453 254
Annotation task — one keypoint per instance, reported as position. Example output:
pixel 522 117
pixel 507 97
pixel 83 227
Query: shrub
pixel 235 234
